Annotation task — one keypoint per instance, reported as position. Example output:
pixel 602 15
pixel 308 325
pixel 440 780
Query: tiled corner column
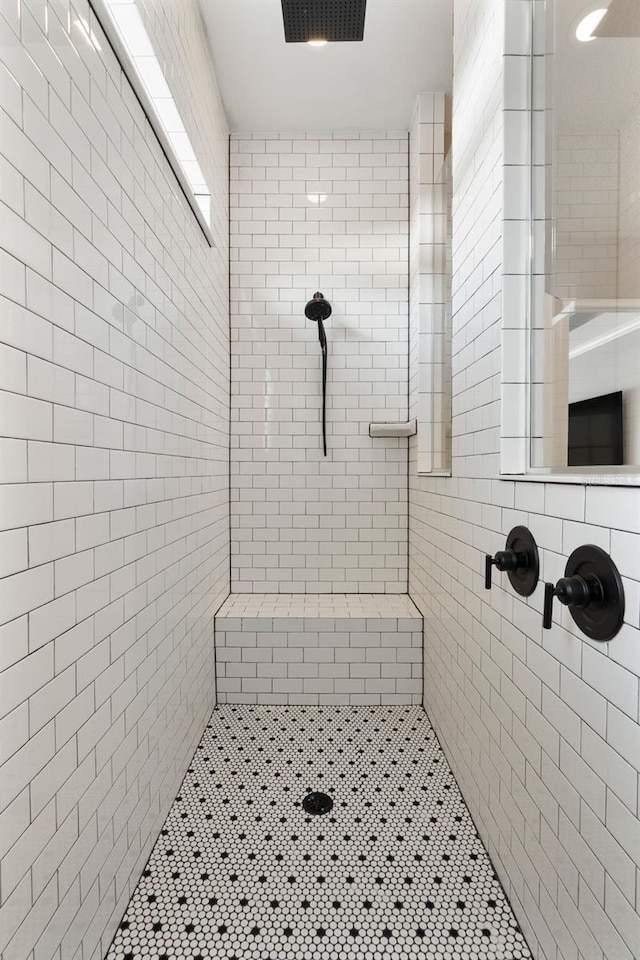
pixel 430 365
pixel 319 649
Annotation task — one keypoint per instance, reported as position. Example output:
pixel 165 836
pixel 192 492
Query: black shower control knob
pixel 519 560
pixel 504 560
pixel 572 592
pixel 576 591
pixel 592 590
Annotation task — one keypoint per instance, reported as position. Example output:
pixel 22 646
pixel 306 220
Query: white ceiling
pixel 269 85
pixel 596 84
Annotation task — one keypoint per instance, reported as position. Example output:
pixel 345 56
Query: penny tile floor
pixel 395 869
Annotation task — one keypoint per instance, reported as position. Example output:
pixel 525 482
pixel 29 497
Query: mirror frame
pixel 523 249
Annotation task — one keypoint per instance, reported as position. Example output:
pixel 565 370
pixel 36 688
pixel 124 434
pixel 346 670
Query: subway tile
pixel 610 766
pixel 20 769
pixel 588 864
pixel 50 620
pixel 23 155
pixel 25 418
pixel 583 700
pixel 13 461
pixel 12 277
pixel 14 555
pixel 601 926
pixel 14 731
pixel 13 370
pixel 22 591
pixel 50 461
pixel 623 734
pixel 617 685
pixel 50 382
pixel 61 239
pixel 622 511
pixel 613 857
pixel 51 698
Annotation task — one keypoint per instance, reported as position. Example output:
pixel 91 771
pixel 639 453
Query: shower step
pixel 293 648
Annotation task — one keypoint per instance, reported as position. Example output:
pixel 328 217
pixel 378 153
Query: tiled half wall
pixel 319 649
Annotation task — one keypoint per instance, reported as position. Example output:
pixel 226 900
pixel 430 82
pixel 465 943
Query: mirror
pixel 585 304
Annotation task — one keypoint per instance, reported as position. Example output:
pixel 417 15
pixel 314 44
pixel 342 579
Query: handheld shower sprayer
pixel 318 309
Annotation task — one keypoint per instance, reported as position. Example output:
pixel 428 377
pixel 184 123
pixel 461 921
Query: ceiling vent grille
pixel 332 20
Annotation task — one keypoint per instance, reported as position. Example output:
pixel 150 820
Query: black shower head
pixel 331 20
pixel 317 308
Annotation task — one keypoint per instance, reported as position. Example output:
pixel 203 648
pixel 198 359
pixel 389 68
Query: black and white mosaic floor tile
pixel 394 870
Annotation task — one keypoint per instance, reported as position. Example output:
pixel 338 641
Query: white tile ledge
pixel 320 605
pixel 586 479
pixel 434 473
pixel 404 428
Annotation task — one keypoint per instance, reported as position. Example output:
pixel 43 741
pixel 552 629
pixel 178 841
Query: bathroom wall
pixel 586 184
pixel 541 728
pixel 321 212
pixel 629 209
pixel 597 213
pixel 429 333
pixel 114 543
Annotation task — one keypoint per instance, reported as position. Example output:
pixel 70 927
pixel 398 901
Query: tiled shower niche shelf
pixel 319 649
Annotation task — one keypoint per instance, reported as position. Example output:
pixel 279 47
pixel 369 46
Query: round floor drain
pixel 317 803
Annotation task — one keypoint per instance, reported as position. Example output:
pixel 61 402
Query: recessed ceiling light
pixel 584 30
pixel 318 43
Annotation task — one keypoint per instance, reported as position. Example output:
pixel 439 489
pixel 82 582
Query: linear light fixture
pixel 123 24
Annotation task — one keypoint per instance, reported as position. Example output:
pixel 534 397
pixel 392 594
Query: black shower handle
pixel 503 561
pixel 593 591
pixel 519 560
pixel 572 592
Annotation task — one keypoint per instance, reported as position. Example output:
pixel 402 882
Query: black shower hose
pixel 323 346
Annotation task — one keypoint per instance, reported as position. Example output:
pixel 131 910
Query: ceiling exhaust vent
pixel 331 20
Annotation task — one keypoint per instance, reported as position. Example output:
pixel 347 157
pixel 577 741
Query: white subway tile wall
pixel 114 356
pixel 323 212
pixel 115 369
pixel 319 649
pixel 586 184
pixel 541 728
pixel 429 359
pixel 629 209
